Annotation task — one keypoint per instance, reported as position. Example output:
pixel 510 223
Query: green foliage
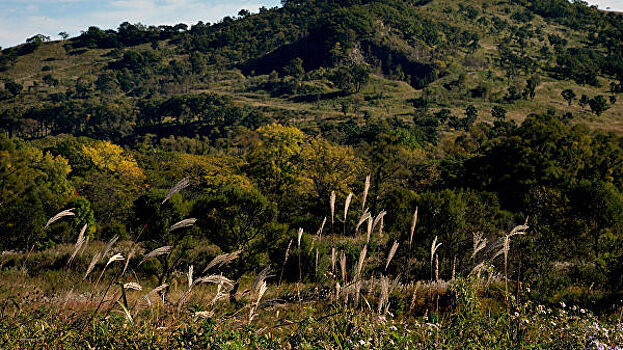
pixel 34 187
pixel 568 95
pixel 598 104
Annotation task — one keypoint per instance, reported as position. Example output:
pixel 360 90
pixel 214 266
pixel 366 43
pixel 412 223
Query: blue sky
pixel 20 19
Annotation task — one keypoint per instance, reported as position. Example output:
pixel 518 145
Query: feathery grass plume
pixel 154 291
pixel 190 276
pixel 94 261
pixel 333 258
pixel 154 253
pixel 222 259
pixel 84 245
pixel 78 244
pixel 343 267
pixel 437 268
pixel 127 261
pixel 319 233
pixel 183 224
pixel 414 296
pixel 347 204
pixel 260 294
pixel 391 254
pixel 338 288
pixel 479 243
pixel 366 188
pixel 378 219
pixel 62 214
pixel 332 206
pixel 316 266
pixel 133 286
pixel 413 222
pixel 299 236
pixel 216 279
pixel 384 295
pixel 260 278
pixel 220 294
pixel 112 241
pixel 362 258
pixel 182 184
pixel 116 257
pixel 364 216
pixel 433 250
pixel 369 230
pixel 285 260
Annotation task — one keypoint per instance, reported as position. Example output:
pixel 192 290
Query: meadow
pixel 102 295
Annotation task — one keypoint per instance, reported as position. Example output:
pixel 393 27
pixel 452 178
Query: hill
pixel 316 62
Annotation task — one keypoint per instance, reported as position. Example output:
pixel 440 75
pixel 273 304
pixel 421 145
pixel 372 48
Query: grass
pixel 49 304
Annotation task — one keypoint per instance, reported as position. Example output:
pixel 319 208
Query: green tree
pixel 156 220
pixel 568 95
pixel 531 85
pixel 498 112
pixel 584 100
pixel 33 187
pixel 13 87
pixel 599 205
pixel 598 104
pixel 50 80
pixel 239 219
pixel 295 68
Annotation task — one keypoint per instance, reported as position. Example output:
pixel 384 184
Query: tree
pixel 361 76
pixel 238 219
pixel 275 161
pixel 328 167
pixel 84 86
pixel 568 95
pixel 498 112
pixel 531 85
pixel 295 68
pixel 599 205
pixel 50 80
pixel 33 187
pixel 351 78
pixel 63 35
pixel 583 102
pixel 13 87
pixel 598 104
pixel 156 219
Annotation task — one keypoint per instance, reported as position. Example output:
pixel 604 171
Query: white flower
pixel 362 342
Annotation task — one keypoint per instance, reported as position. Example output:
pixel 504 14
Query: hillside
pixel 422 56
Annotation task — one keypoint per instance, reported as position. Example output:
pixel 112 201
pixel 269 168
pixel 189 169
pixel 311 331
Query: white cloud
pixel 614 5
pixel 16 27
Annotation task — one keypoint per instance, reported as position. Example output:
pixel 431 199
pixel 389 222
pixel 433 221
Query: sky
pixel 21 19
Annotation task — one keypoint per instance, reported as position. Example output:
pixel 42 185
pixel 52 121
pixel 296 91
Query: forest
pixel 323 174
